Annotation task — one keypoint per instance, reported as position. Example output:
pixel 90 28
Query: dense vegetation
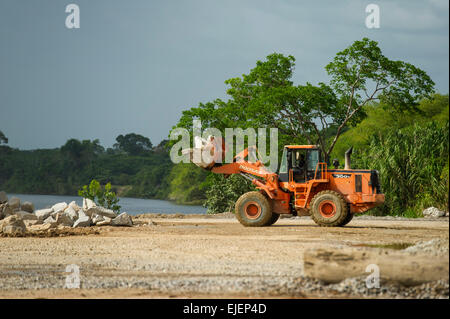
pixel 369 99
pixel 410 152
pixel 64 170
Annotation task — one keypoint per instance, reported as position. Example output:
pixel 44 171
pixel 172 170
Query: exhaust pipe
pixel 348 153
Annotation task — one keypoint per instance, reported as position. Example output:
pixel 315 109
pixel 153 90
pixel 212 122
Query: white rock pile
pixel 433 212
pixel 16 217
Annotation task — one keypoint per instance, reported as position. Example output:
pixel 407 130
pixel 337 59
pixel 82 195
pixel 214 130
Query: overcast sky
pixel 134 65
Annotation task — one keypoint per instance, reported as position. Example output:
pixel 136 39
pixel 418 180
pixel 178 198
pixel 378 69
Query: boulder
pixel 13 230
pixel 97 218
pixel 50 220
pixel 87 203
pixel 74 206
pixel 122 220
pixel 62 219
pixel 3 197
pixel 27 207
pixel 30 222
pixel 104 222
pixel 26 215
pixel 332 265
pixel 41 227
pixel 12 220
pixel 81 213
pixel 5 210
pixel 433 212
pixel 71 212
pixel 82 221
pixel 98 210
pixel 14 203
pixel 43 213
pixel 60 207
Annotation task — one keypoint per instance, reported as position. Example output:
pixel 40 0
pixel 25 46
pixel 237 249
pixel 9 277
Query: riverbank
pixel 132 206
pixel 213 256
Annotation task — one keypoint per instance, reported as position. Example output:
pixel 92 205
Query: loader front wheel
pixel 328 208
pixel 253 209
pixel 273 219
pixel 349 217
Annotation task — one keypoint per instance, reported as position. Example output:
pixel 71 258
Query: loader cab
pixel 302 160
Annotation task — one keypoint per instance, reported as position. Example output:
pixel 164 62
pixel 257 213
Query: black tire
pixel 253 209
pixel 348 219
pixel 273 219
pixel 329 209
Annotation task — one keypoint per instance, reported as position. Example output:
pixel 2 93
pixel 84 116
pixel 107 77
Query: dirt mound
pixel 56 232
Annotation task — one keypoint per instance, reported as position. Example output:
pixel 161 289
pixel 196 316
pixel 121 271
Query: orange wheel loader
pixel 302 186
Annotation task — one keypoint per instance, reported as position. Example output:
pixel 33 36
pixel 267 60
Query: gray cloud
pixel 133 66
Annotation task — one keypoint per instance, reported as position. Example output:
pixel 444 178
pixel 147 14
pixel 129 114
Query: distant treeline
pixel 133 166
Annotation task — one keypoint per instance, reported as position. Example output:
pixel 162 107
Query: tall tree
pixel 83 152
pixel 133 144
pixel 266 97
pixel 361 74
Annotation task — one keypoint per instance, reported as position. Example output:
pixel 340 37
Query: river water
pixel 132 206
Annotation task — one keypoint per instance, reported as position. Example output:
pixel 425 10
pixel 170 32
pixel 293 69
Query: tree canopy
pixel 267 97
pixel 79 153
pixel 133 144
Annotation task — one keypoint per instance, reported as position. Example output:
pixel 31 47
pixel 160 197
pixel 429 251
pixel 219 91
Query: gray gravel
pixel 216 257
pixel 37 278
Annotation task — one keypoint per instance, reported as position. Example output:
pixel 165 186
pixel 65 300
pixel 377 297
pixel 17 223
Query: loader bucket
pixel 207 153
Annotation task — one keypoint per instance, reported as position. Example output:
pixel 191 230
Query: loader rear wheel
pixel 253 209
pixel 328 208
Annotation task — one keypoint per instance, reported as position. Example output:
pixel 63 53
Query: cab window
pixel 313 159
pixel 283 165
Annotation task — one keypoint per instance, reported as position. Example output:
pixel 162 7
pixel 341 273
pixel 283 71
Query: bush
pixel 102 197
pixel 413 166
pixel 223 192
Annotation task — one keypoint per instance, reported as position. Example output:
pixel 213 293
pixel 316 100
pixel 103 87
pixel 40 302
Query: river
pixel 132 206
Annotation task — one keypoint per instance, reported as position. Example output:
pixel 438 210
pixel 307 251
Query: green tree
pixel 83 152
pixel 187 184
pixel 361 74
pixel 223 192
pixel 133 144
pixel 266 97
pixel 102 196
pixel 162 147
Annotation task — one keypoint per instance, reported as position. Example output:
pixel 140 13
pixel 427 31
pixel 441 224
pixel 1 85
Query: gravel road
pixel 197 256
